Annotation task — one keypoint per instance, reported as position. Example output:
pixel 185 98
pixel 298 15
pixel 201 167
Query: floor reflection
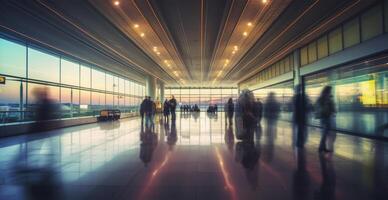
pixel 195 157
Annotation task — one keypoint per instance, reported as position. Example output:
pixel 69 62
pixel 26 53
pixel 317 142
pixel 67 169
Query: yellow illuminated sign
pixel 2 80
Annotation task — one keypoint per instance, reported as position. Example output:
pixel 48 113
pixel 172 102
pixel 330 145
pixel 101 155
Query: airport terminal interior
pixel 194 99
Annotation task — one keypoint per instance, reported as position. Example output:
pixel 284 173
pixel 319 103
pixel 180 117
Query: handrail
pixel 12 116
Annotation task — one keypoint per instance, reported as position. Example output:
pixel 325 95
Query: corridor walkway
pixel 195 158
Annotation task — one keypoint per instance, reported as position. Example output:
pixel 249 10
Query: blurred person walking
pixel 153 112
pixel 271 112
pixel 142 109
pixel 148 111
pixel 258 111
pixel 325 111
pixel 229 111
pixel 173 104
pixel 166 110
pixel 300 112
pixel 46 109
pixel 245 118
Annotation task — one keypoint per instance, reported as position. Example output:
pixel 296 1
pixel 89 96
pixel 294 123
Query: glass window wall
pixel 77 89
pixel 12 58
pixel 69 73
pixel 360 93
pixel 203 97
pixel 43 66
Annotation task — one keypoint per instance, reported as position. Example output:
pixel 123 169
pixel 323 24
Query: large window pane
pixel 335 40
pixel 98 100
pixel 109 100
pixel 372 23
pixel 115 84
pixel 85 77
pixel 126 87
pixel 131 88
pixel 11 95
pixel 98 79
pixel 359 92
pixel 69 101
pixel 12 58
pixel 85 101
pixel 69 73
pixel 351 33
pixel 121 86
pixel 42 66
pixel 109 82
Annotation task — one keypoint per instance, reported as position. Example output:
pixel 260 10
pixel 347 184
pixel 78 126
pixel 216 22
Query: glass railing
pixel 11 117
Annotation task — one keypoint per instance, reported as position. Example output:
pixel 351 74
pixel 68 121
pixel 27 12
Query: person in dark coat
pixel 258 111
pixel 229 110
pixel 142 109
pixel 325 110
pixel 271 113
pixel 300 111
pixel 47 109
pixel 246 104
pixel 166 110
pixel 148 111
pixel 173 104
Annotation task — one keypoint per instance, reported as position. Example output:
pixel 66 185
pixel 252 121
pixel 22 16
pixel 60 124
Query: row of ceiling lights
pixel 235 47
pixel 155 49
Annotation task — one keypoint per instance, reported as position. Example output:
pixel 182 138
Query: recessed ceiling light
pixel 136 26
pixel 165 61
pixel 116 3
pixel 235 47
pixel 264 1
pixel 158 53
pixel 227 61
pixel 233 52
pixel 249 24
pixel 142 34
pixel 168 65
pixel 245 34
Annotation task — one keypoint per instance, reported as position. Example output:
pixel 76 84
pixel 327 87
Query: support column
pixel 297 77
pixel 151 87
pixel 162 92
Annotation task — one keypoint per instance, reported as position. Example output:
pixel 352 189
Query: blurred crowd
pixel 248 112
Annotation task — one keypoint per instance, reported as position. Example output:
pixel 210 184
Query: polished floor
pixel 198 157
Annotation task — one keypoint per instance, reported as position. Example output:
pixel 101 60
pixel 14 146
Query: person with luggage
pixel 245 119
pixel 325 111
